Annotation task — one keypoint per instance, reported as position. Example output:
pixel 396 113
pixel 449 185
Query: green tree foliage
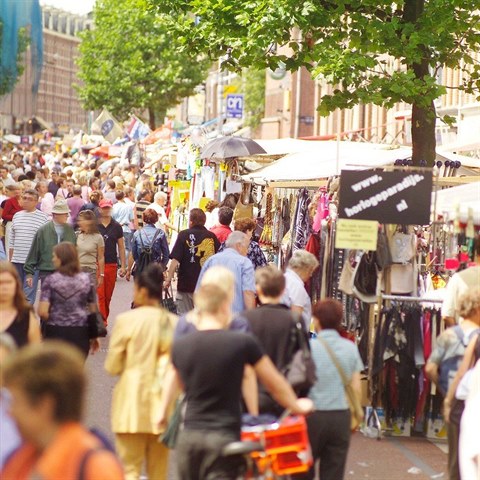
pixel 6 84
pixel 251 83
pixel 350 43
pixel 130 61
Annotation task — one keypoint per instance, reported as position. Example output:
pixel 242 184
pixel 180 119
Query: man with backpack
pixel 149 245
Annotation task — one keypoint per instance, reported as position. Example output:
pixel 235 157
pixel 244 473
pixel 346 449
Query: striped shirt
pixel 141 206
pixel 24 227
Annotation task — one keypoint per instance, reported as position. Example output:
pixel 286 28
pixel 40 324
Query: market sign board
pixel 399 197
pixel 356 234
pixel 235 106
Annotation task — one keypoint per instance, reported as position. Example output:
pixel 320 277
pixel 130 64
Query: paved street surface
pixel 388 459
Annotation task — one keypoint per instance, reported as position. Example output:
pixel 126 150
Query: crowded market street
pixel 392 458
pixel 239 240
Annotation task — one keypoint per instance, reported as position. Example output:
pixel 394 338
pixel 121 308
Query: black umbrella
pixel 230 147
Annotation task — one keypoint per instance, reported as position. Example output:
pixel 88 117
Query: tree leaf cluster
pixel 132 61
pixel 8 79
pixel 368 47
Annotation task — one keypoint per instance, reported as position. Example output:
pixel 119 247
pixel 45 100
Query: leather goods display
pixel 244 208
pixel 365 278
pixel 402 247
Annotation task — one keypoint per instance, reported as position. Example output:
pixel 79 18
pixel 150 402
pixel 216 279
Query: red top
pixel 221 232
pixel 10 209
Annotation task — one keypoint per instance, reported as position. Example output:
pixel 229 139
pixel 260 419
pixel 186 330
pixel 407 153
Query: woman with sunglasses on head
pixel 16 315
pixel 91 247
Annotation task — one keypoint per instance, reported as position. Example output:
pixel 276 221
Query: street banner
pixel 399 197
pixel 137 130
pixel 108 126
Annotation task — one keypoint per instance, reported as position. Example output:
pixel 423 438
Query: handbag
pixel 96 325
pixel 170 435
pixel 402 247
pixel 365 278
pixel 353 399
pixel 244 209
pixel 169 302
pixel 300 372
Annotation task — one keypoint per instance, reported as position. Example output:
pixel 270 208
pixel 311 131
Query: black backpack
pixel 145 258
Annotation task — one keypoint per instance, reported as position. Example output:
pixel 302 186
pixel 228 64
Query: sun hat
pixel 61 207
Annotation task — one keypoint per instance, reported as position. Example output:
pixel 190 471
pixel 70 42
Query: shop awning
pixel 321 161
pixel 459 201
pixel 43 123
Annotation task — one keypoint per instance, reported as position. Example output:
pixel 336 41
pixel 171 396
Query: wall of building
pixel 57 101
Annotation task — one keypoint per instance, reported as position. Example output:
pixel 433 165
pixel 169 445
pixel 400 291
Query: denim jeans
pixel 30 292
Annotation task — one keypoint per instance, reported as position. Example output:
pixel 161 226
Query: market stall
pixel 372 225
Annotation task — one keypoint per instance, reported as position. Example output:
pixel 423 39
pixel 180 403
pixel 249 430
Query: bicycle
pixel 273 451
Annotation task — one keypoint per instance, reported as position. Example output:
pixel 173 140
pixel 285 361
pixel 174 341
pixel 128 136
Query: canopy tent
pixel 284 146
pixel 464 200
pixel 322 161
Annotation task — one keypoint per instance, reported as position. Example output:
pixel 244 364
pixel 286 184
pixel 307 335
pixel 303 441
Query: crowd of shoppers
pixel 75 233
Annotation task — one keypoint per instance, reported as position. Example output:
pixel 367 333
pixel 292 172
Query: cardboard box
pixel 436 428
pixel 398 428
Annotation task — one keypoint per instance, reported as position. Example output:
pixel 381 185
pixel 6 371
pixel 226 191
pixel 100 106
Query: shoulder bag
pixel 353 399
pixel 244 208
pixel 168 302
pixel 301 371
pixel 96 325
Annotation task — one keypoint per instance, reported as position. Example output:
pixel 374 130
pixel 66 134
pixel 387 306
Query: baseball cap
pixel 105 203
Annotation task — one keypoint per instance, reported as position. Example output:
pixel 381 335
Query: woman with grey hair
pixel 455 353
pixel 300 269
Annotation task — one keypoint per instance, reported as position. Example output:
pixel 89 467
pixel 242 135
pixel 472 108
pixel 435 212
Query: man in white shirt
pixel 300 269
pixel 24 227
pixel 457 286
pixel 122 212
pixel 159 202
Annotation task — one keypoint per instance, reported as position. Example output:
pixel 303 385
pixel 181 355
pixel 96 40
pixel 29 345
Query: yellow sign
pixel 228 89
pixel 356 234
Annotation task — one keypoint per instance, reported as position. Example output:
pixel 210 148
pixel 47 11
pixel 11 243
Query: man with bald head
pixel 234 258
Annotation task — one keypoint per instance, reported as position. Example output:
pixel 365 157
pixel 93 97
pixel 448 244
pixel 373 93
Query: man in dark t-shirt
pixel 112 234
pixel 210 365
pixel 192 248
pixel 273 324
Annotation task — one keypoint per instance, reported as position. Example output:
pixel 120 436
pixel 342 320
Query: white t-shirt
pixel 162 216
pixel 469 448
pixel 457 286
pixel 296 295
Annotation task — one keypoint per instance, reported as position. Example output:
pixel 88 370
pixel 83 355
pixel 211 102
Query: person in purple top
pixel 75 203
pixel 64 298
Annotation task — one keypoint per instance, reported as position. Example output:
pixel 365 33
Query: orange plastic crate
pixel 287 449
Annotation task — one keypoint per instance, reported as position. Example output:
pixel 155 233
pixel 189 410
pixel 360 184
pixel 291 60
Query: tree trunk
pixel 423 135
pixel 423 116
pixel 151 118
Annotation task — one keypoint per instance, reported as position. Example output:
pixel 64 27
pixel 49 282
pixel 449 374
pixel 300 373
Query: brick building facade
pixel 56 105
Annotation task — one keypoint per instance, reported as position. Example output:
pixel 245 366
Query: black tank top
pixel 18 329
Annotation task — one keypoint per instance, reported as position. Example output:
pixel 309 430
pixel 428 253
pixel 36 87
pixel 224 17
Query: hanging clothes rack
pixel 404 298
